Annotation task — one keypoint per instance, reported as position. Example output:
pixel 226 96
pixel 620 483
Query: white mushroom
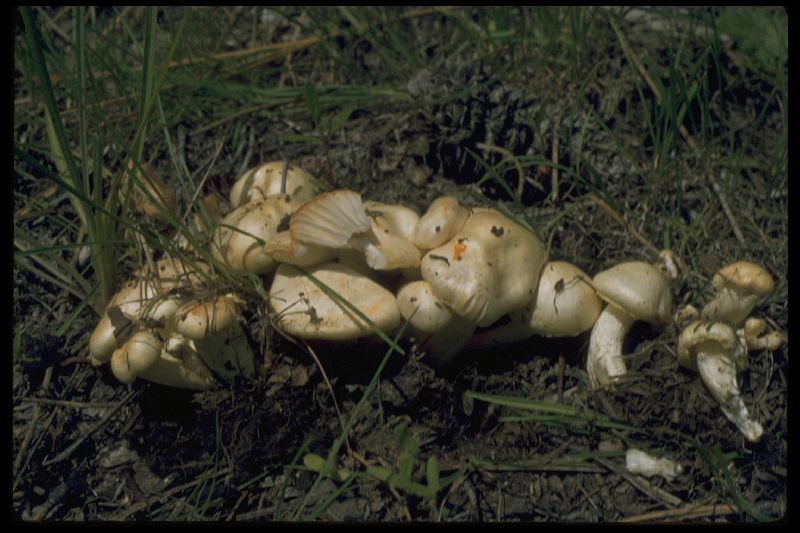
pixel 337 223
pixel 304 309
pixel 239 239
pixel 489 268
pixel 634 291
pixel 445 217
pixel 266 180
pixel 144 356
pixel 212 325
pixel 714 350
pixel 566 305
pixel 438 331
pixel 740 287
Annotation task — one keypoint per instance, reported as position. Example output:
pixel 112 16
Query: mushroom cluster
pixel 341 268
pixel 155 328
pixel 718 343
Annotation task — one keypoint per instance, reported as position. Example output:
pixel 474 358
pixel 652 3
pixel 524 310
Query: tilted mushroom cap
pixel 639 289
pixel 178 364
pixel 740 287
pixel 700 334
pixel 400 219
pixel 240 237
pixel 424 311
pixel 265 180
pixel 566 305
pixel 489 268
pixel 439 332
pixel 445 217
pixel 142 351
pixel 305 310
pixel 201 318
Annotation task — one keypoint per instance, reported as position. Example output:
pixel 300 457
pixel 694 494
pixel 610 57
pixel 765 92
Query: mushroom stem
pixel 605 361
pixel 718 371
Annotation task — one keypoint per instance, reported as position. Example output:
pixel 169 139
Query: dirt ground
pixel 87 448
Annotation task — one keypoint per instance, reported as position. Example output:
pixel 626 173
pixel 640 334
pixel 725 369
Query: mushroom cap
pixel 102 343
pixel 424 311
pixel 740 287
pixel 330 219
pixel 444 218
pixel 400 219
pixel 566 303
pixel 162 195
pixel 745 277
pixel 489 268
pixel 142 351
pixel 239 238
pixel 305 310
pixel 639 289
pixel 264 181
pixel 182 368
pixel 701 334
pixel 201 318
pixel 176 272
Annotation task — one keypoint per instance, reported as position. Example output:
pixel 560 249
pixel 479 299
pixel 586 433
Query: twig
pixel 616 216
pixel 712 181
pixel 513 158
pixel 67 403
pixel 31 425
pixel 143 504
pixel 74 446
pixel 330 388
pixel 694 511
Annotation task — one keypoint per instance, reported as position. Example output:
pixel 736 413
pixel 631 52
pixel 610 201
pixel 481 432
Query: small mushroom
pixel 239 239
pixel 753 338
pixel 181 369
pixel 305 310
pixel 634 291
pixel 438 331
pixel 200 318
pixel 566 305
pixel 445 217
pixel 740 287
pixel 141 352
pixel 714 350
pixel 266 180
pixel 217 337
pixel 161 199
pixel 489 268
